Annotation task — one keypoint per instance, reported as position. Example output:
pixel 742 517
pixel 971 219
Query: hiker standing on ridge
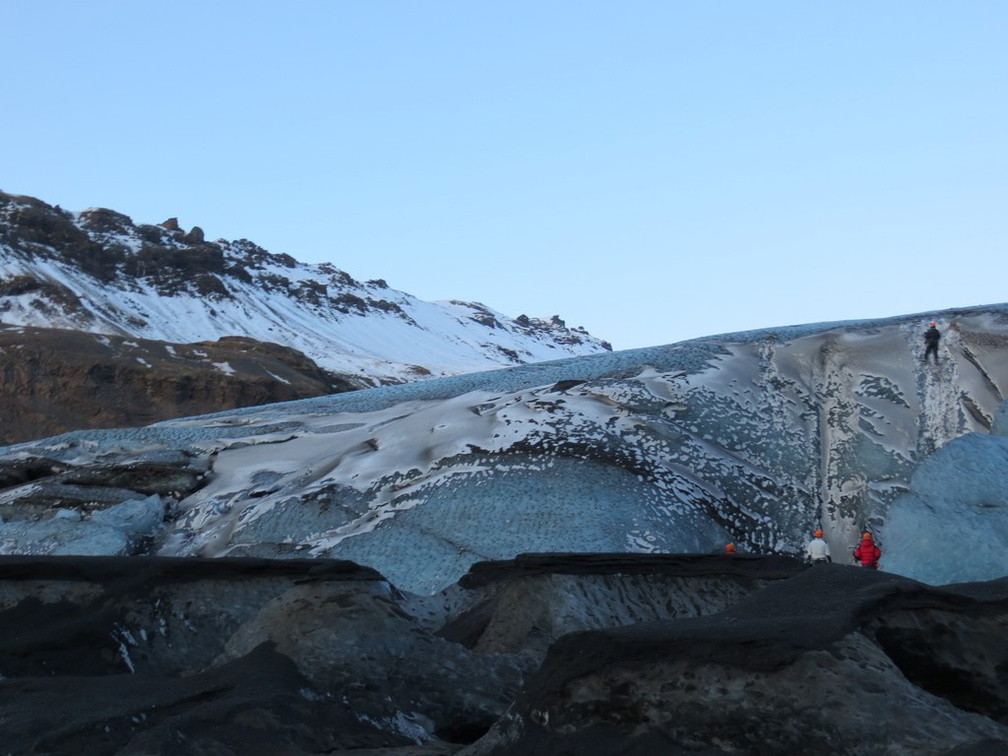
pixel 867 552
pixel 818 550
pixel 931 336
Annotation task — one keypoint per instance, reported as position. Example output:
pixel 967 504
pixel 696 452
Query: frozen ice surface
pixel 527 505
pixel 210 431
pixel 1000 427
pixel 135 518
pixel 756 438
pixel 112 531
pixel 953 525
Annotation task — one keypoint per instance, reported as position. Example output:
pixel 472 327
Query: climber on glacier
pixel 931 336
pixel 818 550
pixel 867 552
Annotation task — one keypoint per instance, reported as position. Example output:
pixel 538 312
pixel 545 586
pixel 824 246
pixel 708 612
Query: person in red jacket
pixel 867 552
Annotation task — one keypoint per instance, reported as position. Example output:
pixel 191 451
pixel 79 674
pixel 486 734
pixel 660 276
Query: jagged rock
pixel 523 606
pixel 21 470
pixel 354 640
pixel 836 660
pixel 113 510
pixel 121 662
pixel 105 221
pixel 139 278
pixel 40 499
pixel 649 654
pixel 161 473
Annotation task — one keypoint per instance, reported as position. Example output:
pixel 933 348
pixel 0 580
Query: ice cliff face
pixel 97 271
pixel 752 438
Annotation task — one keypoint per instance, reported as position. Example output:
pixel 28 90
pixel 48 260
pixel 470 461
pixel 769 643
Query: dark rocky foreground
pixel 547 654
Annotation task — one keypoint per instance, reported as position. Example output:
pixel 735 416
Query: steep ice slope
pixel 753 438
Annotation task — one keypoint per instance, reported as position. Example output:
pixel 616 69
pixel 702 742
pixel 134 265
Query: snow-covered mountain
pixel 96 271
pixel 754 438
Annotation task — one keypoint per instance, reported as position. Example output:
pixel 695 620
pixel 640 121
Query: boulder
pixel 194 236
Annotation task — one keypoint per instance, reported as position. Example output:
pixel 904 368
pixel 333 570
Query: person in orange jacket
pixel 867 552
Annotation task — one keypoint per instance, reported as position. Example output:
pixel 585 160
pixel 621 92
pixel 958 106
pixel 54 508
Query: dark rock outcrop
pixel 836 660
pixel 194 236
pixel 52 380
pixel 643 654
pixel 184 656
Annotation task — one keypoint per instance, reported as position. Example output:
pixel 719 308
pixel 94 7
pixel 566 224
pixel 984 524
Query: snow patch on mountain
pixel 96 271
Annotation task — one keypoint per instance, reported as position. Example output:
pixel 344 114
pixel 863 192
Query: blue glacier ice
pixel 754 438
pixel 952 526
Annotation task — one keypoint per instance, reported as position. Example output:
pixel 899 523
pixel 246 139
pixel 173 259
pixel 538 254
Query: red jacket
pixel 868 553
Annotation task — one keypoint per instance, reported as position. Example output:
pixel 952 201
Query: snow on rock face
pixel 753 438
pixel 96 271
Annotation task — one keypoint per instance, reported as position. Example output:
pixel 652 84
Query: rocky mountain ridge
pixel 96 313
pixel 97 271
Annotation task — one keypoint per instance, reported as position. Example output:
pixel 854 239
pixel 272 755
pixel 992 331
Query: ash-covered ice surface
pixel 752 438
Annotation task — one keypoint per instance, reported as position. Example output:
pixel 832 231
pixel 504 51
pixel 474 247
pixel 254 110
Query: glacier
pixel 754 438
pixel 952 525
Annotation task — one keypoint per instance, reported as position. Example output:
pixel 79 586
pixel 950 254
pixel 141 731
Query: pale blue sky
pixel 652 171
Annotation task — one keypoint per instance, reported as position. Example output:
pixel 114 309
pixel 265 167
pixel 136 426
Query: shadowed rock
pixel 811 665
pixel 643 654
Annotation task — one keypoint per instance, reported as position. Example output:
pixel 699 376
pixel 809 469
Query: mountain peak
pixel 98 271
